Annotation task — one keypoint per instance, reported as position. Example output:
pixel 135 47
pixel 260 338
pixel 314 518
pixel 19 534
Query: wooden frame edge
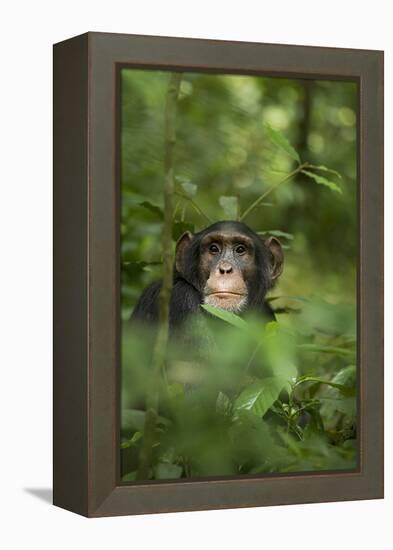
pixel 92 488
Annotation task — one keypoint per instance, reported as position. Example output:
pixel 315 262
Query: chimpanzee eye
pixel 214 249
pixel 240 249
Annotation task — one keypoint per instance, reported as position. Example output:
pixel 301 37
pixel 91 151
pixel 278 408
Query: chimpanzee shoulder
pixel 185 300
pixel 146 308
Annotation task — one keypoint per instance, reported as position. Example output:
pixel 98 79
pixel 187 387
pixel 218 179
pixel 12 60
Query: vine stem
pixel 160 347
pixel 194 205
pixel 238 209
pixel 253 354
pixel 271 189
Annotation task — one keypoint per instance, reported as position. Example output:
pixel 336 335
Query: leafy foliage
pixel 279 398
pixel 227 316
pixel 322 181
pixel 259 396
pixel 280 140
pixel 245 414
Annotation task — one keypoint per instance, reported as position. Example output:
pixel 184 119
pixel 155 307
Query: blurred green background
pixel 223 150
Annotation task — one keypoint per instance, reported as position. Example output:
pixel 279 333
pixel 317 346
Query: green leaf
pixel 176 391
pixel 168 456
pixel 134 420
pixel 324 169
pixel 333 401
pixel 347 391
pixel 153 208
pixel 136 268
pixel 281 141
pixel 346 376
pixel 226 316
pixel 189 188
pixel 322 181
pixel 131 198
pixel 229 205
pixel 277 233
pixel 164 470
pixel 327 349
pixel 259 396
pixel 343 405
pixel 278 352
pixel 272 328
pixel 223 404
pixel 131 442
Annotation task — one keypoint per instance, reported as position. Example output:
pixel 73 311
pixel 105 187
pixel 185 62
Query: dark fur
pixel 187 288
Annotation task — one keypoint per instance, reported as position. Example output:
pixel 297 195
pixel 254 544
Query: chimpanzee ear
pixel 181 249
pixel 277 254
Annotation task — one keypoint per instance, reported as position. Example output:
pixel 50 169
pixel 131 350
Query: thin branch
pixel 194 205
pixel 252 357
pixel 238 209
pixel 160 348
pixel 271 189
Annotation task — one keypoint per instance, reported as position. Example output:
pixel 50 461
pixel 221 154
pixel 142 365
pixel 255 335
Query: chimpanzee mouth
pixel 224 293
pixel 226 299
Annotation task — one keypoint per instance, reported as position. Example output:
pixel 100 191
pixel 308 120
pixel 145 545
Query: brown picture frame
pixel 86 273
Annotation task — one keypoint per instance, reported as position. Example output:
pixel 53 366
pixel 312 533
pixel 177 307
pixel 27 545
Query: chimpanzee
pixel 227 265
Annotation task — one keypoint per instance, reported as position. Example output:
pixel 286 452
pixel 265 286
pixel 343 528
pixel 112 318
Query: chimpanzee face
pixel 227 262
pixel 230 265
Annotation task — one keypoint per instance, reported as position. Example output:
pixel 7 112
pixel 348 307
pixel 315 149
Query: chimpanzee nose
pixel 225 267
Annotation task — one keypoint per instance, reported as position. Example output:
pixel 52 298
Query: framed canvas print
pixel 218 274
